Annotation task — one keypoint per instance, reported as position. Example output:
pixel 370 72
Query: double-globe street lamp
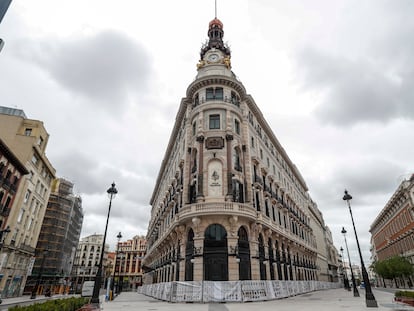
pixel 356 293
pixel 98 279
pixel 369 296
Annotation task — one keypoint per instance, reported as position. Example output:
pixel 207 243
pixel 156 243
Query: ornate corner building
pixel 228 204
pixel 393 229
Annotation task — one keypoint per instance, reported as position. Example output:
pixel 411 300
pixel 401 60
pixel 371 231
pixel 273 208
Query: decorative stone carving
pixel 214 143
pixel 233 220
pixel 180 231
pixel 196 222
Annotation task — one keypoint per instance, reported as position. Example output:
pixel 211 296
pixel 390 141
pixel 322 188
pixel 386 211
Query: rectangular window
pixel 20 217
pixel 214 121
pixel 27 196
pixel 40 141
pixel 234 99
pixel 219 93
pixel 28 131
pixel 237 126
pixel 210 93
pixel 196 100
pixel 214 93
pixel 6 205
pixel 35 159
pixel 252 142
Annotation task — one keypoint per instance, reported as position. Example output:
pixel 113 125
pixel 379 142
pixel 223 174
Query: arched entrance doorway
pixel 215 254
pixel 189 247
pixel 244 255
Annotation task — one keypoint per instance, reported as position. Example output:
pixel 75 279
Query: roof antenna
pixel 215 8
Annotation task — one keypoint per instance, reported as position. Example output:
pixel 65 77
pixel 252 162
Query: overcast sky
pixel 334 79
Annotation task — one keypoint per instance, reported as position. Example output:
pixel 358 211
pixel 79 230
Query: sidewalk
pixel 328 300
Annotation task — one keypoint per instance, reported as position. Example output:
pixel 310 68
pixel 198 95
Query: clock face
pixel 213 57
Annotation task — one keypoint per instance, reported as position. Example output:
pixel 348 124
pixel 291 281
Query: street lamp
pixel 39 276
pixel 119 236
pixel 356 293
pixel 98 279
pixel 346 281
pixel 119 284
pixel 369 296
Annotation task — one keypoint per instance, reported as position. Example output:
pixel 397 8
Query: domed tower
pixel 228 203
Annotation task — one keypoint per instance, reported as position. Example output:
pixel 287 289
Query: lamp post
pixel 119 237
pixel 369 296
pixel 98 279
pixel 356 293
pixel 119 284
pixel 39 276
pixel 346 281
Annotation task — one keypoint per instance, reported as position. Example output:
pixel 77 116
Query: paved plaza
pixel 327 300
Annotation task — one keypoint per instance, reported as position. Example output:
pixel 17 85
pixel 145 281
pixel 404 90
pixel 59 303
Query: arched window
pixel 262 258
pixel 215 253
pixel 244 255
pixel 189 250
pixel 271 259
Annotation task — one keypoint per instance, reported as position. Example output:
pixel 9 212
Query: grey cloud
pixel 375 84
pixel 368 180
pixel 79 169
pixel 108 67
pixel 353 91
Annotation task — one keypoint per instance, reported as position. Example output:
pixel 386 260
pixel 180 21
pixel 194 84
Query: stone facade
pixel 27 139
pixel 393 229
pixel 228 204
pixel 128 262
pixel 87 256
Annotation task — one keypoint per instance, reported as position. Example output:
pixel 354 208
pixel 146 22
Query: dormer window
pixel 214 93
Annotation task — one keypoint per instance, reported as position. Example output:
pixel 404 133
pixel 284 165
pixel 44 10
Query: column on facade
pixel 284 264
pixel 180 245
pixel 233 262
pixel 229 139
pixel 275 257
pixel 254 250
pixel 200 193
pixel 198 259
pixel 293 266
pixel 266 250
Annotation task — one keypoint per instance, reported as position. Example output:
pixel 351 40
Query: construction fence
pixel 231 291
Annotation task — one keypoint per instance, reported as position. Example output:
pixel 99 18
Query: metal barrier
pixel 231 291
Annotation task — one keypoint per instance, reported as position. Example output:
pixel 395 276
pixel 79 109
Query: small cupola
pixel 215 35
